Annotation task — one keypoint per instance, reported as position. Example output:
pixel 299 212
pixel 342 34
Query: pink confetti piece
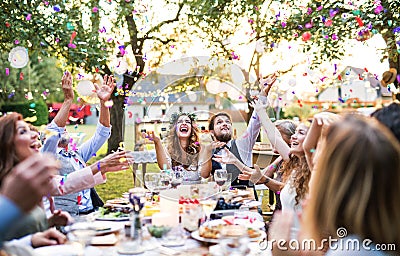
pixel 7 71
pixel 95 9
pixel 28 17
pixel 16 41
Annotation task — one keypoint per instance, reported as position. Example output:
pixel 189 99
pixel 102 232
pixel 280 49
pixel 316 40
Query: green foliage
pixel 294 110
pixel 40 78
pixel 29 110
pixel 335 22
pixel 46 31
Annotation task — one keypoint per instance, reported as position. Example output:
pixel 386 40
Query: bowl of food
pixel 158 231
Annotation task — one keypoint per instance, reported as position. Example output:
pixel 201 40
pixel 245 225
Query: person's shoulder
pixel 352 245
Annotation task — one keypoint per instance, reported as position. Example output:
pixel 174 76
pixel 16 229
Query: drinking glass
pixel 190 217
pixel 165 179
pixel 208 205
pixel 228 182
pixel 82 231
pixel 220 177
pixel 152 181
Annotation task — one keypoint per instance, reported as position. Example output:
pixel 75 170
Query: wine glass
pixel 208 205
pixel 220 177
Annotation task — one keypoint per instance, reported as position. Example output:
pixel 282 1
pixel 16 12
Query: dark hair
pixel 190 154
pixel 390 117
pixel 212 119
pixel 8 156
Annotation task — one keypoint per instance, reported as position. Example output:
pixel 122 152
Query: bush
pixel 29 110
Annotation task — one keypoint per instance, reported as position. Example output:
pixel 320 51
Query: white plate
pixel 252 204
pixel 105 229
pixel 112 218
pixel 256 224
pixel 195 235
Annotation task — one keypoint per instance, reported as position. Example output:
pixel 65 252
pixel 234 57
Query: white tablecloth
pixel 140 157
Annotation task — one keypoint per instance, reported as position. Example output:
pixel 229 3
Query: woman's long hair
pixel 357 183
pixel 8 156
pixel 183 156
pixel 297 170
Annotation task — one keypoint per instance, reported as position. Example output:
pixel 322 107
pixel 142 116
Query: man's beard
pixel 225 137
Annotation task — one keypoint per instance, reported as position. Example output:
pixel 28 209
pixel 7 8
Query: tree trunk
pixel 117 122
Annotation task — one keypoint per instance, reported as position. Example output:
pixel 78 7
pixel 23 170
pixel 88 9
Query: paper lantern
pixel 214 86
pixel 85 88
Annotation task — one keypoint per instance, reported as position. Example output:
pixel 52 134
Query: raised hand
pixel 267 82
pixel 105 89
pixel 254 175
pixel 258 106
pixel 228 158
pixel 325 119
pixel 151 136
pixel 66 83
pixel 29 181
pixel 115 162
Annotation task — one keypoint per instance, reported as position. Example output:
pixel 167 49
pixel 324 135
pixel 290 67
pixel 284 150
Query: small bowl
pixel 158 231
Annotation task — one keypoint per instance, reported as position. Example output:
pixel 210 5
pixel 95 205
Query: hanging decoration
pixel 18 57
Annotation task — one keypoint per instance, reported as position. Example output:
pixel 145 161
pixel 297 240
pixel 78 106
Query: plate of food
pixel 214 234
pixel 111 213
pixel 105 229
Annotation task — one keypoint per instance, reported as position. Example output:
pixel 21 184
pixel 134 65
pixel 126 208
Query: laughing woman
pixel 18 143
pixel 183 148
pixel 296 173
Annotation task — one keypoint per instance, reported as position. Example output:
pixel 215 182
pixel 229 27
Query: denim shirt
pixel 85 152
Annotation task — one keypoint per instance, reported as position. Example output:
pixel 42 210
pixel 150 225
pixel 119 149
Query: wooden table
pixel 153 246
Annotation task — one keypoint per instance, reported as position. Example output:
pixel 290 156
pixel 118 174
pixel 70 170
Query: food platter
pixel 195 235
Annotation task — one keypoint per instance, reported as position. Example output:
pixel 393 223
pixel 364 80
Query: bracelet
pixel 272 166
pixel 268 180
pixel 98 165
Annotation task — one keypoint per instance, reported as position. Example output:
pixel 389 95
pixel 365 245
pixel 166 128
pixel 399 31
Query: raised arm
pixel 161 154
pixel 273 134
pixel 320 123
pixel 205 157
pixel 104 91
pixel 57 126
pixel 62 115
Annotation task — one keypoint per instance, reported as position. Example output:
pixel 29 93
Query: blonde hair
pixel 357 183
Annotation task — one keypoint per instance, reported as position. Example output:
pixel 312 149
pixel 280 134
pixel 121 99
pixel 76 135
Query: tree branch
pixel 157 27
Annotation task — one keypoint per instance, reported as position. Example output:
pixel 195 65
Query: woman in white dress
pixel 183 149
